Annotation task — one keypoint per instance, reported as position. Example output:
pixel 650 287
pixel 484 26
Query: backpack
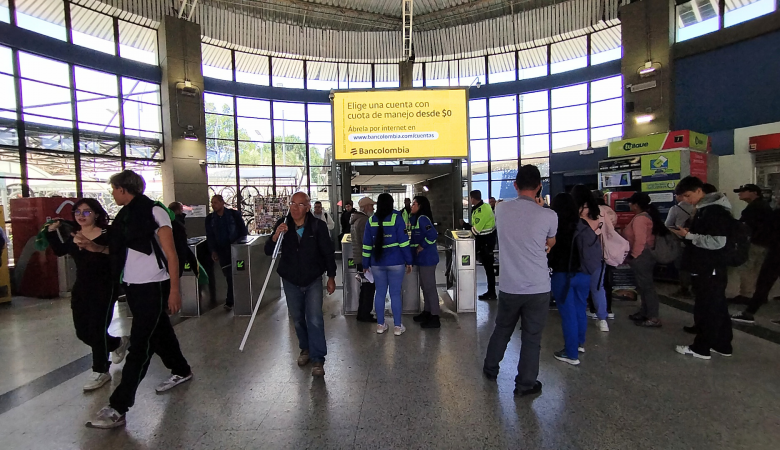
pixel 614 246
pixel 666 249
pixel 737 248
pixel 183 251
pixel 591 252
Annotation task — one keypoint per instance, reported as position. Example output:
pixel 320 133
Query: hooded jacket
pixel 758 215
pixel 303 260
pixel 706 239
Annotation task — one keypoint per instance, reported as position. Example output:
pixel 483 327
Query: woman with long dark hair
pixel 385 254
pixel 426 257
pixel 573 260
pixel 590 212
pixel 641 234
pixel 92 300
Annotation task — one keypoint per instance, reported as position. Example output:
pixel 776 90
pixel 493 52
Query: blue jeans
pixel 572 307
pixel 305 305
pixel 392 277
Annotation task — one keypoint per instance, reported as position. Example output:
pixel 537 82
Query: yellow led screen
pixel 404 124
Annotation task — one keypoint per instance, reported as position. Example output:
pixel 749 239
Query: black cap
pixel 748 188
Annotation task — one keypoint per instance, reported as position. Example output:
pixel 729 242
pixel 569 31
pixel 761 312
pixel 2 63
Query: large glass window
pixel 501 68
pixel 569 55
pixel 287 73
pixel 738 11
pixel 48 19
pixel 532 63
pixel 138 43
pixel 605 46
pixel 252 69
pixel 217 62
pixel 696 18
pixel 92 30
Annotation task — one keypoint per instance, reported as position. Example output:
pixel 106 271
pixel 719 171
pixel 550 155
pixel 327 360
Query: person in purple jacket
pixel 385 253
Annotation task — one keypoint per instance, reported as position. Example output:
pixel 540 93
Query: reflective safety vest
pixel 424 235
pixel 406 215
pixel 395 244
pixel 483 220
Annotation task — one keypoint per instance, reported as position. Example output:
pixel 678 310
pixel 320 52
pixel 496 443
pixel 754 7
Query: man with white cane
pixel 305 255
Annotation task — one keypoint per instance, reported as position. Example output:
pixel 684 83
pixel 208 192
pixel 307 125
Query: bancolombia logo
pixel 629 146
pixel 379 151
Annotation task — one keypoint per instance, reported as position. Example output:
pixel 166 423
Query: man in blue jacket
pixel 306 253
pixel 224 226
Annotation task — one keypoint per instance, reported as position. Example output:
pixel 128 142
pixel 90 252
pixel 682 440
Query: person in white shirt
pixel 145 261
pixel 322 215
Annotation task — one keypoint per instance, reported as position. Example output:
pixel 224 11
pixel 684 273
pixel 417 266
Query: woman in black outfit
pixel 92 300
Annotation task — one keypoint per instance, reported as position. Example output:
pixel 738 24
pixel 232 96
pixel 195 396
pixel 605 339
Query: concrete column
pixel 648 34
pixel 184 170
pixel 406 73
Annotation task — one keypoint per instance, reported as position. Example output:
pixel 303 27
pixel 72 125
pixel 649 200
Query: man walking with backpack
pixel 706 255
pixel 224 226
pixel 143 252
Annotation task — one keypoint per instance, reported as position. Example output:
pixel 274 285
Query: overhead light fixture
pixel 425 188
pixel 647 70
pixel 190 134
pixel 644 118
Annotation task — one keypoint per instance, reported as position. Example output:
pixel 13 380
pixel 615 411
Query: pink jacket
pixel 605 213
pixel 639 234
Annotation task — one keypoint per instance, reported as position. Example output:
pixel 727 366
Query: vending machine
pixel 36 273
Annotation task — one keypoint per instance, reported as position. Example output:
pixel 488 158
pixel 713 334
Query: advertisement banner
pixel 684 139
pixel 400 124
pixel 699 166
pixel 659 186
pixel 661 166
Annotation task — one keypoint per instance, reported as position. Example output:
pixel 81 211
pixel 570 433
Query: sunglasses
pixel 79 213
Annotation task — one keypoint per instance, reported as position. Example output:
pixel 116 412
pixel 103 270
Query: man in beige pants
pixel 756 215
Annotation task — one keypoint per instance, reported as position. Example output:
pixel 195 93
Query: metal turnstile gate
pixel 351 283
pixel 250 265
pixel 190 290
pixel 462 270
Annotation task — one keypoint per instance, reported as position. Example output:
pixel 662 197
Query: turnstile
pixel 249 265
pixel 351 283
pixel 190 290
pixel 410 291
pixel 462 270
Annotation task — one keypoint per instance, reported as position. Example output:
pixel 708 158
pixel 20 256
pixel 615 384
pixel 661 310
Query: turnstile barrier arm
pixel 262 291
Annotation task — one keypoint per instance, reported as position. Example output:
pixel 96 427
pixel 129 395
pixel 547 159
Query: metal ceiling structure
pixel 372 30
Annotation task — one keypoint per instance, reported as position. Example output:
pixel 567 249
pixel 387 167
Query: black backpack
pixel 737 250
pixel 187 260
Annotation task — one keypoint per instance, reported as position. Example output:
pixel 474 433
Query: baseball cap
pixel 365 201
pixel 748 188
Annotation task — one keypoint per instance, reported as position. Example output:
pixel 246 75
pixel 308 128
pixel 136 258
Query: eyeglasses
pixel 85 213
pixel 298 205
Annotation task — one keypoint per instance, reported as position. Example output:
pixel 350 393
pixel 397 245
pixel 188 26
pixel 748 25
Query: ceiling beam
pixel 464 12
pixel 300 10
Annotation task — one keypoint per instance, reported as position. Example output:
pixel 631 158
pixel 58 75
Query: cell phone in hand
pixel 673 227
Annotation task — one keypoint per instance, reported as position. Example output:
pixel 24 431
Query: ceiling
pixel 382 15
pixel 405 178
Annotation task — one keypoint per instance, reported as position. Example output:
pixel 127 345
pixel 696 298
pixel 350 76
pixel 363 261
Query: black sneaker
pixel 743 317
pixel 228 307
pixel 537 389
pixel 433 322
pixel 692 330
pixel 488 296
pixel 738 300
pixel 489 375
pixel 422 317
pixel 637 317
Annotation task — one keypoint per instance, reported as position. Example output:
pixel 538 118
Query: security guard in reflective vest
pixel 406 213
pixel 483 225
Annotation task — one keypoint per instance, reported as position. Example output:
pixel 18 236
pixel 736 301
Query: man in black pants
pixel 704 257
pixel 767 276
pixel 144 253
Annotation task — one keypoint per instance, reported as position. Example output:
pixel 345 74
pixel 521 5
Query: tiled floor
pixel 421 390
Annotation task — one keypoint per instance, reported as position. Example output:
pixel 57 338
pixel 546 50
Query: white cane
pixel 262 292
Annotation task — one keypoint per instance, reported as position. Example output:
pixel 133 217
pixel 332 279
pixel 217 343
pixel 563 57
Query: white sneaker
pixel 399 330
pixel 118 355
pixel 592 315
pixel 685 350
pixel 96 381
pixel 172 382
pixel 381 328
pixel 611 316
pixel 107 418
pixel 581 349
pixel 603 326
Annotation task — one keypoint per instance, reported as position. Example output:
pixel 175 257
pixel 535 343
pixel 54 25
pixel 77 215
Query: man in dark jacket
pixel 704 257
pixel 306 253
pixel 224 226
pixel 345 216
pixel 756 215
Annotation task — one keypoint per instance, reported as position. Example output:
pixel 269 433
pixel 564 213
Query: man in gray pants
pixel 527 233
